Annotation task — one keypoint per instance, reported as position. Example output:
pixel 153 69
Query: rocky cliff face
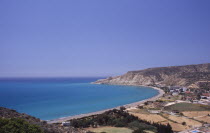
pixel 163 76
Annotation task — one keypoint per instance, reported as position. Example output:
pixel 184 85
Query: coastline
pixel 62 119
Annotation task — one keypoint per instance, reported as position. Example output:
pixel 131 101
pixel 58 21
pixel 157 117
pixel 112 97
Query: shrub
pixel 138 131
pixel 119 123
pixel 134 125
pixel 183 123
pixel 142 126
pixel 17 125
pixel 122 108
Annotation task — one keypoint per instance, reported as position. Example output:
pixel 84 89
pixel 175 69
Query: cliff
pixel 189 75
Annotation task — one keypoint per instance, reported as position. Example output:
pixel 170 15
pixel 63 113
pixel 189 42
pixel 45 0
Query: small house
pixel 175 93
pixel 175 111
pixel 66 123
pixel 154 111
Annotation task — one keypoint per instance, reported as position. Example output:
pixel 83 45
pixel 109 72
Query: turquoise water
pixel 50 98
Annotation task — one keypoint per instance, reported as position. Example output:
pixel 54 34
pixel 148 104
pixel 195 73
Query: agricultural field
pixel 110 130
pixel 194 114
pixel 142 111
pixel 198 115
pixel 180 120
pixel 158 118
pixel 170 98
pixel 150 117
pixel 176 126
pixel 176 122
pixel 204 119
pixel 187 107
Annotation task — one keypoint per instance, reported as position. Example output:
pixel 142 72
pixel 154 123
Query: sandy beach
pixel 59 120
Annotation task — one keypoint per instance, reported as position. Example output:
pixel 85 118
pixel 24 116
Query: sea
pixel 52 98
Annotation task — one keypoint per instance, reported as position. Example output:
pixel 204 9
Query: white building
pixel 66 123
pixel 154 111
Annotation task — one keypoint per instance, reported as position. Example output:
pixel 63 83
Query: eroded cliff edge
pixel 188 76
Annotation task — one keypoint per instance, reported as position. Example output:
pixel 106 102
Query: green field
pixel 187 107
pixel 111 130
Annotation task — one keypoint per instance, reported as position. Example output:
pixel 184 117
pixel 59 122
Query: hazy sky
pixel 101 37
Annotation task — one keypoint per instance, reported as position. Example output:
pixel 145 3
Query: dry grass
pixel 142 111
pixel 193 114
pixel 189 122
pixel 175 126
pixel 110 130
pixel 150 117
pixel 204 119
pixel 174 121
pixel 198 115
pixel 157 118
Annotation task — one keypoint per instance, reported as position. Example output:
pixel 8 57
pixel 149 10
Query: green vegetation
pixel 17 125
pixel 120 118
pixel 187 107
pixel 136 125
pixel 183 123
pixel 139 131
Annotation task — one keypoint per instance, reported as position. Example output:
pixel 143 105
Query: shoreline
pixel 62 119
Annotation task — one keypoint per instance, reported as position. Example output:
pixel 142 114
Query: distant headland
pixel 188 76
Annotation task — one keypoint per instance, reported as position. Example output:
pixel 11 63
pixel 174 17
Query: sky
pixel 76 38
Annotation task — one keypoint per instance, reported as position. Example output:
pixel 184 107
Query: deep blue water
pixel 50 98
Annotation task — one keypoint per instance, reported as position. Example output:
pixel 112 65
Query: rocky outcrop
pixel 163 76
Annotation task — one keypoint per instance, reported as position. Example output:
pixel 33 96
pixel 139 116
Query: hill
pixel 188 76
pixel 12 121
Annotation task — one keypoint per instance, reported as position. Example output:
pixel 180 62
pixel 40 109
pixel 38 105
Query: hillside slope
pixel 189 75
pixel 47 128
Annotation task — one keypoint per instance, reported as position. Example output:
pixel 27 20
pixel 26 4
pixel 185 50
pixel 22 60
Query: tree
pixel 198 96
pixel 183 123
pixel 17 125
pixel 181 114
pixel 122 108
